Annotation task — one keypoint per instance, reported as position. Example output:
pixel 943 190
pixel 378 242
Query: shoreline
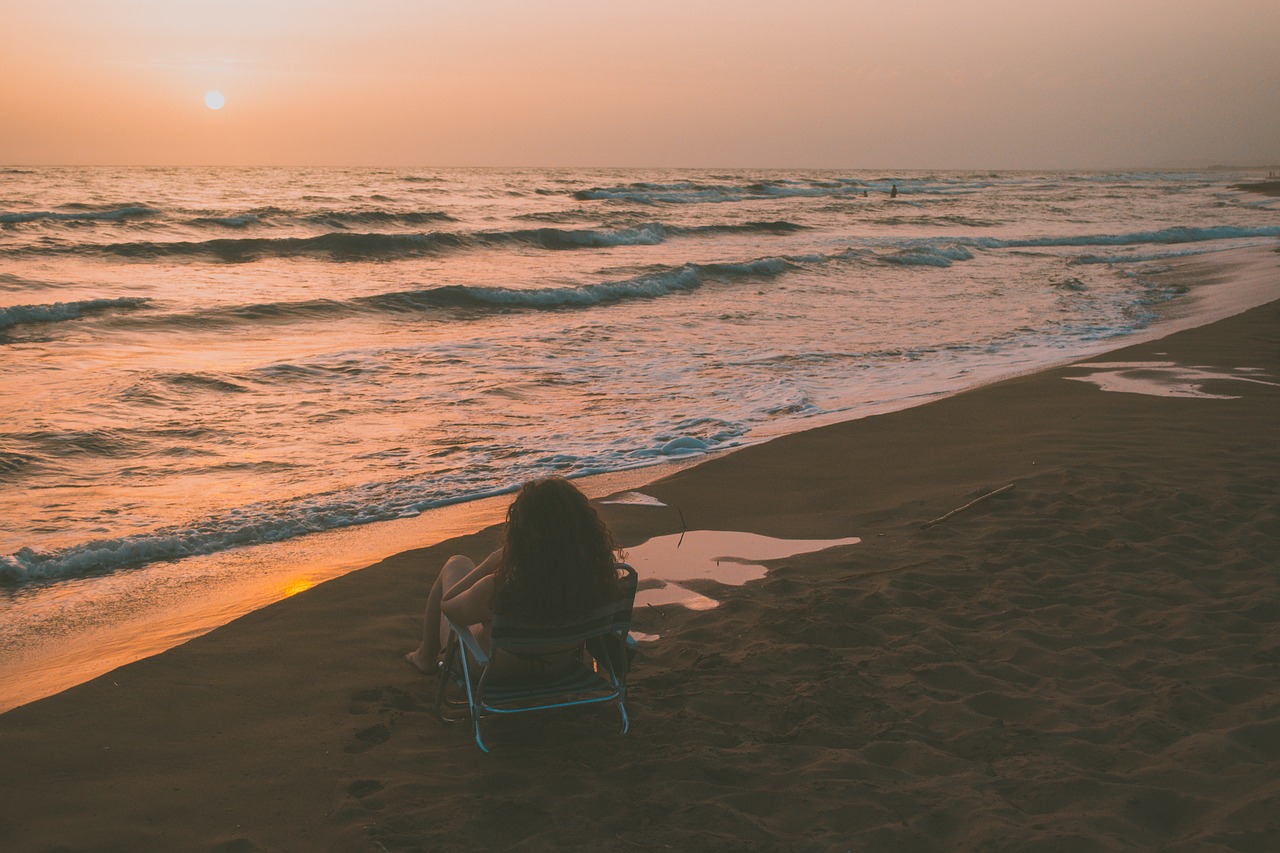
pixel 148 617
pixel 1269 187
pixel 154 608
pixel 1086 661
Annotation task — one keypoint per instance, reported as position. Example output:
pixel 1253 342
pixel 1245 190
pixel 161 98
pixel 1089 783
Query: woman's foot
pixel 424 662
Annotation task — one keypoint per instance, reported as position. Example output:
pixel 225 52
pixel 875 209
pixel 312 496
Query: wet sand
pixel 1089 660
pixel 1268 187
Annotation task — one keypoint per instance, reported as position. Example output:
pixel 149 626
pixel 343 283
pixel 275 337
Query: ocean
pixel 196 361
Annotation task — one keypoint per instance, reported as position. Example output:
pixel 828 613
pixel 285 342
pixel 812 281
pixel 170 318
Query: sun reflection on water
pixel 293 586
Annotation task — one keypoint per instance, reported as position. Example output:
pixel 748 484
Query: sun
pixel 214 100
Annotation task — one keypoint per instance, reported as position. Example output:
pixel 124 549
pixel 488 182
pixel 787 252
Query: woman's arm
pixel 468 601
pixel 487 567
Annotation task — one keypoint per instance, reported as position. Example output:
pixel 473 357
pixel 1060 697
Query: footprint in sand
pixel 383 699
pixel 365 702
pixel 369 738
pixel 362 788
pixel 365 793
pixel 387 702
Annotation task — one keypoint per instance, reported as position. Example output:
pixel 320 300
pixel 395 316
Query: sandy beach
pixel 1087 661
pixel 1268 187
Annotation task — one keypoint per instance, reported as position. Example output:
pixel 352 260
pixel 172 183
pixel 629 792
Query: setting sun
pixel 214 100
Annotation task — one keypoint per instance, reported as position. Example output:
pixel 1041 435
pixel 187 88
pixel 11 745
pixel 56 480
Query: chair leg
pixel 445 675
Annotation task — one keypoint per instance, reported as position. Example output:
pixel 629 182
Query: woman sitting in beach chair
pixel 557 562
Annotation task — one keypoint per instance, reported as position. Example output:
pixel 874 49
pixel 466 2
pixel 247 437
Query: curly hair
pixel 558 558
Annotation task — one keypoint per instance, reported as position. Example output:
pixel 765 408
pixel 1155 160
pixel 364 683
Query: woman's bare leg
pixel 433 629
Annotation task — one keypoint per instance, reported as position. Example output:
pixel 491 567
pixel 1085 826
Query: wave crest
pixel 691 192
pixel 474 299
pixel 114 214
pixel 353 246
pixel 344 218
pixel 926 255
pixel 1180 234
pixel 56 312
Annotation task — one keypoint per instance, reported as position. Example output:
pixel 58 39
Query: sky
pixel 908 84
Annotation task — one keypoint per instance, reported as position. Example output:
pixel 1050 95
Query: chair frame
pixel 603 646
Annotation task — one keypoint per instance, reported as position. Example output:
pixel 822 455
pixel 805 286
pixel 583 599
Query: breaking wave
pixel 1164 235
pixel 350 246
pixel 691 192
pixel 115 214
pixel 479 299
pixel 18 315
pixel 326 218
pixel 924 255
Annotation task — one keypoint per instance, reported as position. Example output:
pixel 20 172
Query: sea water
pixel 199 360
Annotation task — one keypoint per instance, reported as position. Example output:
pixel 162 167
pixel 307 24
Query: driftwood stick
pixel 943 518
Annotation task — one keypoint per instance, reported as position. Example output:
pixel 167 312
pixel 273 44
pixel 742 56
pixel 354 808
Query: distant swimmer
pixel 893 193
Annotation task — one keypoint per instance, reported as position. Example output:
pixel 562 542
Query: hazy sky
pixel 998 84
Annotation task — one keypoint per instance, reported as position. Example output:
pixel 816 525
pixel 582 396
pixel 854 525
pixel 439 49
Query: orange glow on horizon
pixel 927 84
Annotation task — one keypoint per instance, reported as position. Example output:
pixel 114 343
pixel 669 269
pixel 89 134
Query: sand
pixel 1087 661
pixel 1269 187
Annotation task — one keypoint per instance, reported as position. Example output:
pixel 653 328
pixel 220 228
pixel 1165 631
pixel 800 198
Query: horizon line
pixel 1168 167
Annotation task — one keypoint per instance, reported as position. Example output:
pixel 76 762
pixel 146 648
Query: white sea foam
pixel 277 521
pixel 933 256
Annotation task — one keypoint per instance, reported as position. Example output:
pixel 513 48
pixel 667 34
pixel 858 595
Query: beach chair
pixel 598 645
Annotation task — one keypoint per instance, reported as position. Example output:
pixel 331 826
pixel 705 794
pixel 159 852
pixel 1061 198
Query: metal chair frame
pixel 598 674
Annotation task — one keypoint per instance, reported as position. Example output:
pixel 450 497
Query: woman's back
pixel 557 562
pixel 558 558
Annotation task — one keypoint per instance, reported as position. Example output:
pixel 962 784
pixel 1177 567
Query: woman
pixel 557 561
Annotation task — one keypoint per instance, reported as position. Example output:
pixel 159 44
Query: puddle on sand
pixel 724 556
pixel 1165 378
pixel 634 499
